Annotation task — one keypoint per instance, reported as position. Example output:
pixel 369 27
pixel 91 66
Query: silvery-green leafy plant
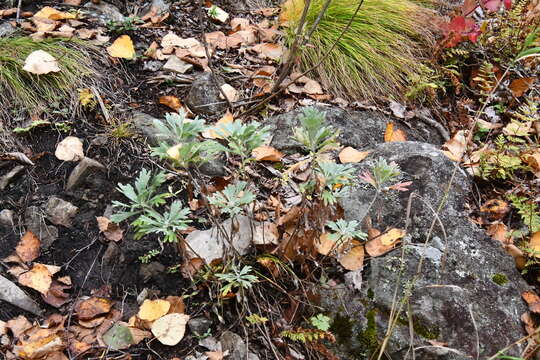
pixel 381 173
pixel 337 180
pixel 312 134
pixel 345 231
pixel 180 141
pixel 145 203
pixel 241 139
pixel 233 198
pixel 241 278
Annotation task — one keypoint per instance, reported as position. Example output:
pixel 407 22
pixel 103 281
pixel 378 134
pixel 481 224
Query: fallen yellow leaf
pixel 153 309
pixel 38 278
pixel 211 133
pixel 354 259
pixel 122 48
pixel 50 13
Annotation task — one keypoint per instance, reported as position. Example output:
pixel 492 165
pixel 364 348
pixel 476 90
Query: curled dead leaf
pixel 456 146
pixel 38 278
pixel 351 155
pixel 92 307
pixel 110 230
pixel 267 153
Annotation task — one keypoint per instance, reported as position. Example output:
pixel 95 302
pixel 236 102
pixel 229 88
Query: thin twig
pixel 18 18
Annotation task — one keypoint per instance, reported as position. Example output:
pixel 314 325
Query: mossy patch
pixel 368 338
pixel 499 279
pixel 420 329
pixel 342 328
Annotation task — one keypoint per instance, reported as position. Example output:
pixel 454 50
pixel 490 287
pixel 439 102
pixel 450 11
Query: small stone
pixel 236 347
pixel 79 174
pixel 35 222
pixel 152 65
pixel 199 325
pixel 6 29
pixel 113 255
pixel 214 167
pixel 60 212
pixel 204 95
pixel 6 217
pixel 156 8
pixel 151 270
pixel 104 12
pixel 143 124
pixel 177 65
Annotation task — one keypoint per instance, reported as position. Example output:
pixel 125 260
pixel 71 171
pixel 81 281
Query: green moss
pixel 368 338
pixel 499 279
pixel 370 294
pixel 342 328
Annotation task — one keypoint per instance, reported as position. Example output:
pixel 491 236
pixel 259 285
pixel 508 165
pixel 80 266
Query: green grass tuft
pixel 24 93
pixel 377 56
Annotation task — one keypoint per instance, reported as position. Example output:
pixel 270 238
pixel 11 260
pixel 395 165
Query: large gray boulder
pixel 455 284
pixel 359 129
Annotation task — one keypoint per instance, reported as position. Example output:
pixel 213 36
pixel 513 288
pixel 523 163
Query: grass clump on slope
pixel 379 53
pixel 24 93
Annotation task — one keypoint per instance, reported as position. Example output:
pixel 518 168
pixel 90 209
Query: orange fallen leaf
pixel 392 134
pixel 29 247
pixel 495 208
pixel 177 304
pixel 534 244
pixel 533 160
pixel 325 244
pixel 351 155
pixel 122 48
pixel 378 244
pixel 268 50
pixel 171 101
pixel 90 308
pixel 533 300
pixel 153 309
pixel 38 278
pixel 498 232
pixel 354 258
pixel 50 13
pixel 520 86
pixel 266 153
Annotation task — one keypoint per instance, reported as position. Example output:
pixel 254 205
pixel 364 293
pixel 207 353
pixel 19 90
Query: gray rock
pixel 10 176
pixel 60 212
pixel 112 255
pixel 6 29
pixel 35 222
pixel 453 298
pixel 358 129
pixel 236 346
pixel 211 244
pixel 177 65
pixel 103 12
pixel 6 217
pixel 213 167
pixel 204 95
pixel 13 294
pixel 152 65
pixel 158 6
pixel 199 325
pixel 82 171
pixel 144 126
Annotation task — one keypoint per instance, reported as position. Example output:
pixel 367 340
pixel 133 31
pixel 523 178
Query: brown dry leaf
pixel 533 300
pixel 43 25
pixel 268 50
pixel 517 254
pixel 351 155
pixel 86 34
pixel 354 258
pixel 517 128
pixel 170 329
pixel 533 160
pixel 92 323
pixel 69 149
pixel 40 62
pixel 240 24
pixel 267 153
pixel 152 310
pixel 29 247
pixel 177 304
pixel 90 308
pixel 215 355
pixel 325 244
pixel 530 325
pixel 312 87
pixel 171 101
pixel 520 86
pixel 110 230
pixel 265 234
pixel 122 48
pixel 38 278
pixel 269 11
pixel 375 245
pixel 41 343
pixel 392 134
pixel 216 39
pixel 456 146
pixel 50 13
pixel 211 134
pixel 56 295
pixel 495 208
pixel 18 325
pixel 498 232
pixel 534 244
pixel 139 335
pixel 8 12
